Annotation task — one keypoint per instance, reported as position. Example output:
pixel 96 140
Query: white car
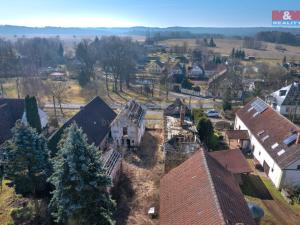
pixel 212 113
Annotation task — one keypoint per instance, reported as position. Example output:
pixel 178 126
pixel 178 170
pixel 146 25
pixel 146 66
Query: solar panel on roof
pixel 259 105
pixel 290 139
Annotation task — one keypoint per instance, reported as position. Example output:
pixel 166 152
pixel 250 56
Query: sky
pixel 150 13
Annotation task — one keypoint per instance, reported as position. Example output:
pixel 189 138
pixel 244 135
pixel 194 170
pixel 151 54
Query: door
pixel 266 168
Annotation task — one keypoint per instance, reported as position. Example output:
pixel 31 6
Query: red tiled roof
pixel 201 191
pixel 237 134
pixel 277 127
pixel 233 160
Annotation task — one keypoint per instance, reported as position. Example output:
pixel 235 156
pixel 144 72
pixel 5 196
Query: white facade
pixel 129 126
pixel 279 177
pixel 278 100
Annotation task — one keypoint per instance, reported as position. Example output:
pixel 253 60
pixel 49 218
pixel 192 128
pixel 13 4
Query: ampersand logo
pixel 286 15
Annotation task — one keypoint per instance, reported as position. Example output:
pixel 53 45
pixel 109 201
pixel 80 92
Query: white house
pixel 156 67
pixel 129 126
pixel 274 141
pixel 286 100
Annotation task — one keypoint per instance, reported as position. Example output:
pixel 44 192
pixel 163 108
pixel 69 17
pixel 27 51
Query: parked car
pixel 212 113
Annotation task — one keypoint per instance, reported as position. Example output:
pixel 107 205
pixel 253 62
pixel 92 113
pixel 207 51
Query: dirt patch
pixel 138 189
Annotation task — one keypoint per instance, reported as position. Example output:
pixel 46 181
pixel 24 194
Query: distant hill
pixel 226 31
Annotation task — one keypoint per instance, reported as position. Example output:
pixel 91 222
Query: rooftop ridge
pixel 216 200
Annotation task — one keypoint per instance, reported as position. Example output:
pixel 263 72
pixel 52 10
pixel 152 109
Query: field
pixel 139 183
pixel 225 46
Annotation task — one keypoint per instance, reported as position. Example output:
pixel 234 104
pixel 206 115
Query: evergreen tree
pixel 32 114
pixel 186 84
pixel 284 60
pixel 233 53
pixel 80 181
pixel 212 43
pixel 61 50
pixel 26 160
pixel 227 100
pixel 83 78
pixel 205 129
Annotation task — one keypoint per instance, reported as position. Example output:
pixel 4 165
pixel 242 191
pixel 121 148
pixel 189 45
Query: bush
pixel 197 114
pixel 213 142
pixel 23 214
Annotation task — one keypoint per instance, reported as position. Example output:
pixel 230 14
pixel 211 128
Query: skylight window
pixel 255 114
pixel 260 132
pixel 280 152
pixel 265 137
pixel 250 109
pixel 275 145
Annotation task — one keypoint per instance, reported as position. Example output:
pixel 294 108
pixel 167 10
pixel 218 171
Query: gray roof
pixel 11 110
pixel 289 95
pixel 94 119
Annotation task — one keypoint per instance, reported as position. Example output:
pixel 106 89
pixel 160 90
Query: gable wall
pixel 275 173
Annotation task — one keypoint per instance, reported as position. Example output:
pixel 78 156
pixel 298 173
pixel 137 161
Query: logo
pixel 286 17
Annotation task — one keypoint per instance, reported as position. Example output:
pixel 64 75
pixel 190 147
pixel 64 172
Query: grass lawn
pixel 7 199
pixel 260 190
pixel 278 196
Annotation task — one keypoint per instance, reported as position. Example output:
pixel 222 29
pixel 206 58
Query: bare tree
pixel 58 90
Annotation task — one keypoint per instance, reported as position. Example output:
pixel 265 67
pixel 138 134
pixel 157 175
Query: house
pixel 58 76
pixel 241 137
pixel 196 72
pixel 210 68
pixel 234 161
pixel 129 126
pixel 176 107
pixel 95 120
pixel 12 110
pixel 202 191
pixel 274 141
pixel 156 67
pixel 286 100
pixel 224 82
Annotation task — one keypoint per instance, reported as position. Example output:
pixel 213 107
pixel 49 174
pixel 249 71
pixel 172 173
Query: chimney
pixel 298 138
pixel 182 114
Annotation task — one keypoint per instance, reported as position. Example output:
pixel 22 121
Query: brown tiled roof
pixel 277 127
pixel 201 191
pixel 233 160
pixel 237 134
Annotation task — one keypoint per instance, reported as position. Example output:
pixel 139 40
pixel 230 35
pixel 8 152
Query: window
pixel 287 109
pixel 298 167
pixel 282 92
pixel 259 153
pixel 239 127
pixel 132 141
pixel 272 170
pixel 124 130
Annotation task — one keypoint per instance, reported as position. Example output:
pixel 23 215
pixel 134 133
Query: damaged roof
pixel 134 111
